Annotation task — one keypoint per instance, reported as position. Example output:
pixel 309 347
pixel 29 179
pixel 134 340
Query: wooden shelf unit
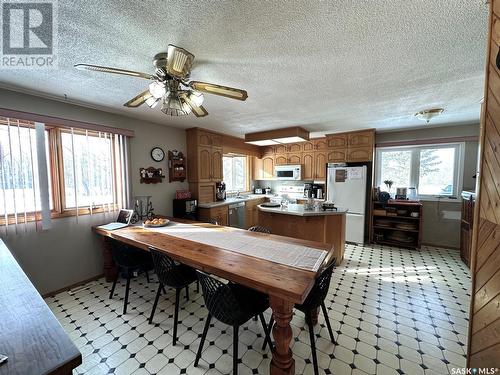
pixel 380 234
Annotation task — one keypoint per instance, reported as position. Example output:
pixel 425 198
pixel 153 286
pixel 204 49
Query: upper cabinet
pixel 360 139
pixel 313 155
pixel 337 140
pixel 280 159
pixel 204 150
pixel 280 149
pixel 295 147
pixel 320 144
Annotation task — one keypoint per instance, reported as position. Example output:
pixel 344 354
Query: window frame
pixel 56 166
pixel 415 167
pixel 246 188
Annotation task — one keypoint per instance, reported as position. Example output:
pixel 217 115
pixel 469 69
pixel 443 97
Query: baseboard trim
pixel 441 246
pixel 83 282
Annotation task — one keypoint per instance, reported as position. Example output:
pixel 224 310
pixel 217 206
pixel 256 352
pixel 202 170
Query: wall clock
pixel 157 154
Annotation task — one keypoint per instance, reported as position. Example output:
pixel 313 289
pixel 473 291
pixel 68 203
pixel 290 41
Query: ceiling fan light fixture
pixel 179 61
pixel 428 114
pixel 152 102
pixel 174 106
pixel 157 89
pixel 196 97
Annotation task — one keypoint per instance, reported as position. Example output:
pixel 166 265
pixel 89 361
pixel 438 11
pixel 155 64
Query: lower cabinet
pixel 216 213
pixel 252 212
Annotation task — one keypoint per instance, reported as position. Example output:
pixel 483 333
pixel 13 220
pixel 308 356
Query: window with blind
pixel 83 171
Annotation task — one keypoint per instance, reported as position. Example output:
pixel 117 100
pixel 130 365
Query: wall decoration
pixel 151 175
pixel 176 166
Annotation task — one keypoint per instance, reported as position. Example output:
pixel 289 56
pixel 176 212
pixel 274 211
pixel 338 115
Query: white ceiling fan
pixel 170 84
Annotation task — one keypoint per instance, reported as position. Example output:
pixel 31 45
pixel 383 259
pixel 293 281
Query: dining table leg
pixel 282 362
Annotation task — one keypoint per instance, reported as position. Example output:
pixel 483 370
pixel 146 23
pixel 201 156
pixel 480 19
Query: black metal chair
pixel 177 276
pixel 260 229
pixel 128 260
pixel 314 300
pixel 234 305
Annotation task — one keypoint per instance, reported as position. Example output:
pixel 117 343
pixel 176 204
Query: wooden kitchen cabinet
pixel 295 148
pixel 320 165
pixel 280 159
pixel 307 146
pixel 337 156
pixel 294 158
pixel 337 141
pixel 252 212
pixel 204 163
pixel 280 149
pixel 308 166
pixel 219 213
pixel 356 154
pixel 320 144
pixel 268 167
pixel 216 169
pixel 360 139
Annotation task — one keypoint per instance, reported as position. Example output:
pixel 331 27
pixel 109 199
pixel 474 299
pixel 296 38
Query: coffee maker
pixel 220 191
pixel 317 191
pixel 308 189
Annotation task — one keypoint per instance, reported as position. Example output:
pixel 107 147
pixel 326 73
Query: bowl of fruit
pixel 156 222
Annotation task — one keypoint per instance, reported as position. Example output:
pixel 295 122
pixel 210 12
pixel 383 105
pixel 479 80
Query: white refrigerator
pixel 346 187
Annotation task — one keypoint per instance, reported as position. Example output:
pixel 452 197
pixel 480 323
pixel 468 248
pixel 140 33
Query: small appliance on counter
pixel 220 191
pixel 258 191
pixel 308 189
pixel 185 208
pixel 317 191
pixel 401 193
pixel 268 190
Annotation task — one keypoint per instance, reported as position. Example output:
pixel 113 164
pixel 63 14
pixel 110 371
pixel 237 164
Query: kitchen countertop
pixel 298 210
pixel 228 201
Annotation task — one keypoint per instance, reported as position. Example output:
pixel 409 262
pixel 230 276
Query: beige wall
pixel 441 220
pixel 70 252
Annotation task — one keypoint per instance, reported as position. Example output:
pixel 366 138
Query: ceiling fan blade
pixel 198 110
pixel 179 61
pixel 106 69
pixel 210 88
pixel 138 100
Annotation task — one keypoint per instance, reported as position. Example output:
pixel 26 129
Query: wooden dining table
pixel 285 285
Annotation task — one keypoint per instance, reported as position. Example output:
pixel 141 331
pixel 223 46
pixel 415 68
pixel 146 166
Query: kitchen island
pixel 295 221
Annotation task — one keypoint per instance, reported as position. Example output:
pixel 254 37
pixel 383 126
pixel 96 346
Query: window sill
pixel 440 199
pixel 31 216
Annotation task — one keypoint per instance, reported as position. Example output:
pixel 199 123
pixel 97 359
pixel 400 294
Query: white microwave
pixel 288 172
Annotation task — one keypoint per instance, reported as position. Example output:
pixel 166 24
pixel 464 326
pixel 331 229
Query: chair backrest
pixel 320 289
pixel 219 298
pixel 165 268
pixel 213 221
pixel 260 229
pixel 124 255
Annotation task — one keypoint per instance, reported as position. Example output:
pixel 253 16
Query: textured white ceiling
pixel 324 65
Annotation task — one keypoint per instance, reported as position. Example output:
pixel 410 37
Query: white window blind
pixel 48 171
pixel 24 175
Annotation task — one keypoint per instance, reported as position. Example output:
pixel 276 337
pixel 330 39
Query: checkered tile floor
pixel 393 311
